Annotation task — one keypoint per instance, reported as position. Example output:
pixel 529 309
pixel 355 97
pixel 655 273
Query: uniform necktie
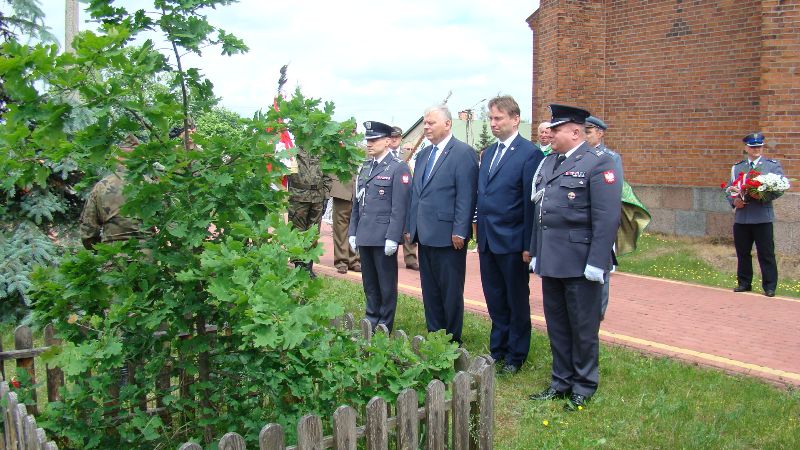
pixel 752 165
pixel 498 155
pixel 559 160
pixel 374 166
pixel 429 165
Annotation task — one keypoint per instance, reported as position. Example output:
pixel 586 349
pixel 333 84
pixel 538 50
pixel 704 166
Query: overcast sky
pixel 376 60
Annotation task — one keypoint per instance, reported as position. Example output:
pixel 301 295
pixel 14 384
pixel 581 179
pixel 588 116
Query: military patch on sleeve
pixel 609 177
pixel 406 179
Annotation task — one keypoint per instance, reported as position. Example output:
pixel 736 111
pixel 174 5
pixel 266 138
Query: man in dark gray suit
pixel 753 220
pixel 577 196
pixel 377 220
pixel 504 222
pixel 440 220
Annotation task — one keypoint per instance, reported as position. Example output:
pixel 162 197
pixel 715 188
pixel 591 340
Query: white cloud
pixel 377 60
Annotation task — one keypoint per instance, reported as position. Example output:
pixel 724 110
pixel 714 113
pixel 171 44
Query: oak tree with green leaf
pixel 127 304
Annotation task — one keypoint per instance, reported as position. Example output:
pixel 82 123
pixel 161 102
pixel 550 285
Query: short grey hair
pixel 441 108
pixel 543 125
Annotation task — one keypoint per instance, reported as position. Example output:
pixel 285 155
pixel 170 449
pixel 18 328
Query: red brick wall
pixel 679 82
pixel 780 82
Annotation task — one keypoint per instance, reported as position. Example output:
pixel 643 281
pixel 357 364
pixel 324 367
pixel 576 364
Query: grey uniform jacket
pixel 755 211
pixel 576 214
pixel 380 202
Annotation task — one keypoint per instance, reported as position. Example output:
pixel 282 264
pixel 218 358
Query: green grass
pixel 643 401
pixel 677 259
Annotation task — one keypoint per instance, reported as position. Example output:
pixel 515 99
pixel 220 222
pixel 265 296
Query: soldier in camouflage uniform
pixel 309 190
pixel 100 219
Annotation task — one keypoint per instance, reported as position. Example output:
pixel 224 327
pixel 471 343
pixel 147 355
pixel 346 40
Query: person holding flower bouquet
pixel 755 182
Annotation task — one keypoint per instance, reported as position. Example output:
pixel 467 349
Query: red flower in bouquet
pixel 746 186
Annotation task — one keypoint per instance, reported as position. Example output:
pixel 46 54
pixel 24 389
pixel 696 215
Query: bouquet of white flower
pixel 772 186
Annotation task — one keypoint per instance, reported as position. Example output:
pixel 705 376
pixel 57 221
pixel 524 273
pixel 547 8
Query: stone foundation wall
pixel 703 211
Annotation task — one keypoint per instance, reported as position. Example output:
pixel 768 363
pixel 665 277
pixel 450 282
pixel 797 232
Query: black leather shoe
pixel 741 288
pixel 769 293
pixel 510 369
pixel 547 394
pixel 576 402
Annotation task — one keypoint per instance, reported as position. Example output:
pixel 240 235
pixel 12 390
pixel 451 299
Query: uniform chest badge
pixel 381 192
pixel 575 174
pixel 381 177
pixel 609 177
pixel 406 179
pixel 571 196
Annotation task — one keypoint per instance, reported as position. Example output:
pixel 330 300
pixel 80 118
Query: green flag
pixel 633 221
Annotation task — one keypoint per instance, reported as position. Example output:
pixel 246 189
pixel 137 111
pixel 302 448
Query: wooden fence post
pixel 271 437
pixel 460 408
pixel 55 376
pixel 434 416
pixel 416 343
pixel 366 330
pixel 344 428
pixel 2 362
pixel 232 441
pixel 377 432
pixel 4 390
pixel 486 402
pixel 23 340
pixel 163 384
pixel 407 420
pixel 309 433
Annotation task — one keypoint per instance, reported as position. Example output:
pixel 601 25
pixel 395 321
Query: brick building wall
pixel 679 82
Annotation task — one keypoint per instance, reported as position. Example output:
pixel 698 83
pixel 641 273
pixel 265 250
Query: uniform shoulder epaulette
pixel 772 160
pixel 744 160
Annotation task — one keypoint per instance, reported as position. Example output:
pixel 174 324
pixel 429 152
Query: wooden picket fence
pixel 20 430
pixel 467 418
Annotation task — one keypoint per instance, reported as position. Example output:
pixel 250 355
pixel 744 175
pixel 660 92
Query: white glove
pixel 593 273
pixel 533 264
pixel 390 247
pixel 613 269
pixel 352 241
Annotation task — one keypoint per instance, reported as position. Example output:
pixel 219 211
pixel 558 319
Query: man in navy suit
pixel 505 220
pixel 440 220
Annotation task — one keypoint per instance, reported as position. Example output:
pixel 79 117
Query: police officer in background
pixel 577 196
pixel 595 131
pixel 376 222
pixel 309 190
pixel 753 221
pixel 409 249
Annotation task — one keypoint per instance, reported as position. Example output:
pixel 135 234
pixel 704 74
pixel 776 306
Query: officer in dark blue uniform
pixel 577 196
pixel 595 131
pixel 753 221
pixel 379 210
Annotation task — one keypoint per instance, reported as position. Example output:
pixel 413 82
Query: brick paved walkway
pixel 744 333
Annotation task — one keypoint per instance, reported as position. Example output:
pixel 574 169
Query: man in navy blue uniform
pixel 376 222
pixel 504 222
pixel 440 220
pixel 595 131
pixel 753 221
pixel 577 196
